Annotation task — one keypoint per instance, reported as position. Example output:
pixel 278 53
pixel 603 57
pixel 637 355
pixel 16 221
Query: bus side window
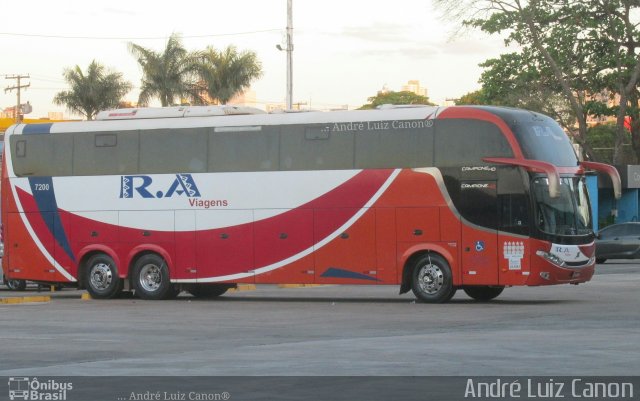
pixel 390 144
pixel 463 142
pixel 477 203
pixel 106 140
pixel 316 147
pixel 243 149
pixel 103 153
pixel 42 154
pixel 21 148
pixel 513 201
pixel 167 151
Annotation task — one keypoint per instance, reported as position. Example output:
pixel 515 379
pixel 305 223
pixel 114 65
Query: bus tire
pixel 102 279
pixel 483 293
pixel 16 284
pixel 432 280
pixel 600 260
pixel 151 278
pixel 209 290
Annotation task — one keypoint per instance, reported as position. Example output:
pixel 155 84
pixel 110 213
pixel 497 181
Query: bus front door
pixel 479 256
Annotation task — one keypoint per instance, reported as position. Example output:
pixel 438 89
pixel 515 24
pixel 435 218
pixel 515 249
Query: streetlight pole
pixel 289 55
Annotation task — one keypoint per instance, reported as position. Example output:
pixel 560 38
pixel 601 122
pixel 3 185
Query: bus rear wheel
pixel 483 292
pixel 432 281
pixel 102 280
pixel 151 278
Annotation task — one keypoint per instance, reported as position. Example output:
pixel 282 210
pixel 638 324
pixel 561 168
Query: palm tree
pixel 98 89
pixel 167 75
pixel 223 74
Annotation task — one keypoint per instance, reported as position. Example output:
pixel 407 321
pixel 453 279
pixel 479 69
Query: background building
pixel 414 86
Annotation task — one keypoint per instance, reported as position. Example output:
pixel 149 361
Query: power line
pixel 48 80
pixel 42 36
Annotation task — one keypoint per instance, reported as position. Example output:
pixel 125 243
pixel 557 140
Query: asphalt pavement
pixel 589 329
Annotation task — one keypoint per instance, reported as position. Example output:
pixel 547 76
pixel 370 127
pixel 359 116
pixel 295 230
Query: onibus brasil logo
pixel 34 389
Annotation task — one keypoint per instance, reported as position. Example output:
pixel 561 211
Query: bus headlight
pixel 551 258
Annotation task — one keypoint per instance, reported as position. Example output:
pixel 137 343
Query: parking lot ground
pixel 590 329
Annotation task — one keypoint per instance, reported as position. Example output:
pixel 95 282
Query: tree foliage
pixel 169 75
pixel 402 97
pixel 176 74
pixel 478 97
pixel 602 138
pixel 517 80
pixel 97 89
pixel 225 73
pixel 571 51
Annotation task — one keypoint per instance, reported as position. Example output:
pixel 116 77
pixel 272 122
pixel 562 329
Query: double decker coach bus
pixel 203 198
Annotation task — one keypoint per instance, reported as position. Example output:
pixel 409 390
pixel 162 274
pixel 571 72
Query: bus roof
pixel 222 116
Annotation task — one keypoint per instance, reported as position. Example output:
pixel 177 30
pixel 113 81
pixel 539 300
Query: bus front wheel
pixel 432 281
pixel 102 279
pixel 151 278
pixel 483 292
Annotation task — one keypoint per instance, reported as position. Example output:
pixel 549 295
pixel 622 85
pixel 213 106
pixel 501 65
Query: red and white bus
pixel 203 198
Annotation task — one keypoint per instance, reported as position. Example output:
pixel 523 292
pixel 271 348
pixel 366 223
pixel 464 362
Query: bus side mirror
pixel 609 170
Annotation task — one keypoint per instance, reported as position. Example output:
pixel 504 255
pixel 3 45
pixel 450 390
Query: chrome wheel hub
pixel 101 276
pixel 150 277
pixel 430 278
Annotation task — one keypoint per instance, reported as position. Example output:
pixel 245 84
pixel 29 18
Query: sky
pixel 344 50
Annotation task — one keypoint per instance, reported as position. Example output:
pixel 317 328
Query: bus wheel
pixel 432 279
pixel 209 290
pixel 600 261
pixel 483 292
pixel 151 278
pixel 17 285
pixel 102 280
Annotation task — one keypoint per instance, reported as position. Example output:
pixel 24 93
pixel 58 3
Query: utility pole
pixel 18 87
pixel 289 54
pixel 289 50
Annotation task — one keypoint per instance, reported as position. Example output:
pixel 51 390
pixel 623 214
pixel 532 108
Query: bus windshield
pixel 544 140
pixel 569 213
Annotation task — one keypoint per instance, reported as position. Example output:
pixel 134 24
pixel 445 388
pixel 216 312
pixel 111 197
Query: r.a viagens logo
pixel 142 185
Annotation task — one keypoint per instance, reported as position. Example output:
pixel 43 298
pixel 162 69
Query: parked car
pixel 618 241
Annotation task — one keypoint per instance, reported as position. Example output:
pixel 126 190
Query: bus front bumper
pixel 546 272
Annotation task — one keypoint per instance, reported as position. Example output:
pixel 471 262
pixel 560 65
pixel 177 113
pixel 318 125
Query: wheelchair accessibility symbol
pixel 479 246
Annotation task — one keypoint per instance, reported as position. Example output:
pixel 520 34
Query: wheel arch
pixel 139 251
pixel 86 253
pixel 409 257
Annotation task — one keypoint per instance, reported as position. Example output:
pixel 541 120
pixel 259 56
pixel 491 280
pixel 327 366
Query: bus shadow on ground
pixel 339 300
